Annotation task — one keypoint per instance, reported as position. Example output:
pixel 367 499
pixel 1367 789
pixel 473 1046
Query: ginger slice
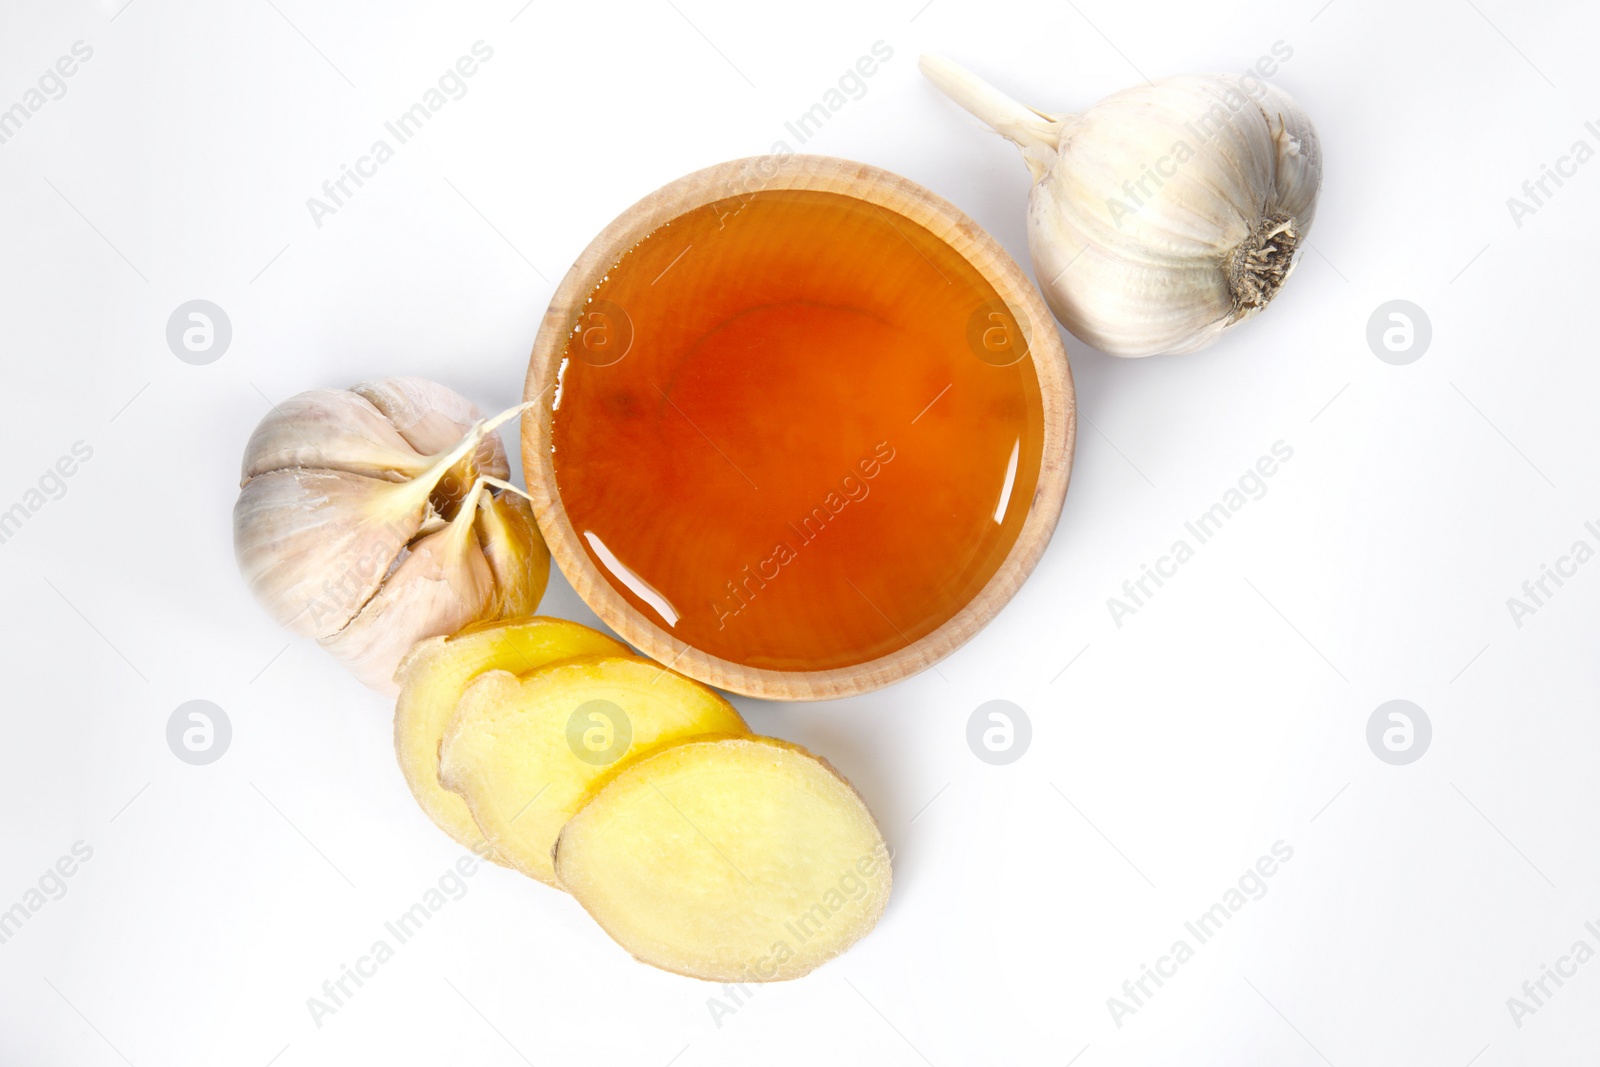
pixel 742 859
pixel 525 753
pixel 432 678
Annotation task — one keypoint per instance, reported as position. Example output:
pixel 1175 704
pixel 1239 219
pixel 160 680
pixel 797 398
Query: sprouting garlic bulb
pixel 367 519
pixel 1165 214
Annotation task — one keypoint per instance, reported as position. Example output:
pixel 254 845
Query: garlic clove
pixel 1170 271
pixel 516 552
pixel 433 417
pixel 439 585
pixel 1299 159
pixel 1165 308
pixel 330 429
pixel 314 545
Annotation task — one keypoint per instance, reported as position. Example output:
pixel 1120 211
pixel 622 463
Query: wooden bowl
pixel 887 191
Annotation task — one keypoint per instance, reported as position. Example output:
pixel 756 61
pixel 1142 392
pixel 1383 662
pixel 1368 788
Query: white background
pixel 1228 714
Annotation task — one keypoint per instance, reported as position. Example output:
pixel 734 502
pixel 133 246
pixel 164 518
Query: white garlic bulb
pixel 1166 213
pixel 365 520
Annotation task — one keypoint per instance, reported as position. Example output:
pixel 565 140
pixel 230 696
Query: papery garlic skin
pixel 315 545
pixel 1165 214
pixel 432 417
pixel 440 584
pixel 331 429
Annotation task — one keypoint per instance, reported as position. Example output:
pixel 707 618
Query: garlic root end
pixel 1259 265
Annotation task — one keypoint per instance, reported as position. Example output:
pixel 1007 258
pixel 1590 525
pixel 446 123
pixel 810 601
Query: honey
pixel 796 430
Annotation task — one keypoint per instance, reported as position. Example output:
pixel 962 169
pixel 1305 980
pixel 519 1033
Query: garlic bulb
pixel 365 520
pixel 1164 214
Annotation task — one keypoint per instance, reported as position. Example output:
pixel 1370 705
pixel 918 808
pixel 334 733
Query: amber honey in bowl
pixel 796 430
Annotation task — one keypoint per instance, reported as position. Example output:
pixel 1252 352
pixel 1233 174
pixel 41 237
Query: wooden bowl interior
pixel 893 194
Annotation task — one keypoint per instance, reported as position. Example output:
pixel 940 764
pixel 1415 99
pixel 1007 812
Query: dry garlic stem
pixel 1165 214
pixel 366 521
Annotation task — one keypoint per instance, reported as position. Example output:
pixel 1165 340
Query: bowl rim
pixel 887 190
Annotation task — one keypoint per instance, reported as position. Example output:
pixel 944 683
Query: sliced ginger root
pixel 740 859
pixel 525 753
pixel 432 678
